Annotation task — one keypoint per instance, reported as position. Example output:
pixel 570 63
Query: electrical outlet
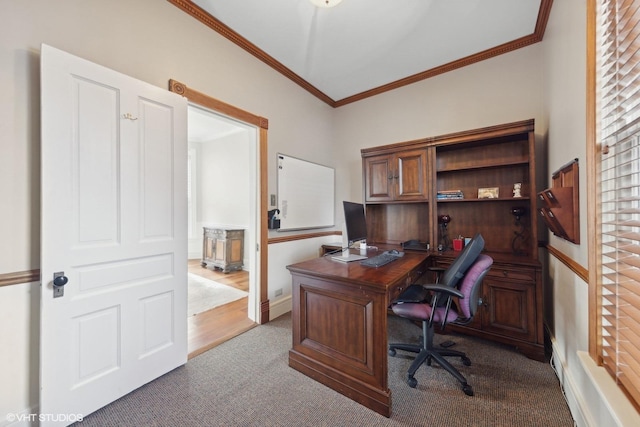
pixel 273 200
pixel 278 292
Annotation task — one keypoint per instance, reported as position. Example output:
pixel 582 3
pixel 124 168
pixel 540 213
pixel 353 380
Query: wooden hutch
pixel 409 187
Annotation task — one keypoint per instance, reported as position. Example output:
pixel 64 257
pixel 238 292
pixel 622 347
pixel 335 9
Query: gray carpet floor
pixel 247 382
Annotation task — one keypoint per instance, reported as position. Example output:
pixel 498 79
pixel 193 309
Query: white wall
pixel 224 185
pixel 224 188
pixel 287 253
pixel 19 357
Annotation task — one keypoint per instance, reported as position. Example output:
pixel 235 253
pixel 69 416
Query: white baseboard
pixel 594 399
pixel 614 407
pixel 280 307
pixel 571 393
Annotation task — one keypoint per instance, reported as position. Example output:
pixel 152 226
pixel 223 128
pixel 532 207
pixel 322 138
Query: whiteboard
pixel 306 193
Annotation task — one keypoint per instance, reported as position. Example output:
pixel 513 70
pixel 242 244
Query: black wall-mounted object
pixel 274 223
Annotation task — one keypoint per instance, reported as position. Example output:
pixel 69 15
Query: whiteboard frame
pixel 325 204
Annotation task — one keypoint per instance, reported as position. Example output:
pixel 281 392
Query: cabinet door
pixel 378 175
pixel 220 251
pixel 509 308
pixel 208 248
pixel 411 175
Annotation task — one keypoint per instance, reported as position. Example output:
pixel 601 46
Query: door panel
pixel 94 150
pixel 157 173
pixel 114 221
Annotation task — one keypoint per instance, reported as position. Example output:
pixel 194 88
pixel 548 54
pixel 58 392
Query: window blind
pixel 617 36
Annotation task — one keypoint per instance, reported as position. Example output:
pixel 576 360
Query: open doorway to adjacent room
pixel 222 195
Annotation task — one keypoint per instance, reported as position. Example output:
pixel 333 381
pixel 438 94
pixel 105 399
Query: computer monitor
pixel 355 222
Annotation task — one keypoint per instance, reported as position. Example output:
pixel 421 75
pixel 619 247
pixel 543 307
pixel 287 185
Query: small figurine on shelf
pixel 517 188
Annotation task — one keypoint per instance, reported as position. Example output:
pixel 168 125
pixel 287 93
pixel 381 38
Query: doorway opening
pixel 221 199
pixel 258 301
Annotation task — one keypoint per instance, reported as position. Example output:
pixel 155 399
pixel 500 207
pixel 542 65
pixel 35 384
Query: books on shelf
pixel 449 194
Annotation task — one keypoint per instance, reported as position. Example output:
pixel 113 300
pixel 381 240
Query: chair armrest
pixel 444 289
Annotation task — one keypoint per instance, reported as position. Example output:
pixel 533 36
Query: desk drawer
pixel 395 292
pixel 512 273
pixel 411 278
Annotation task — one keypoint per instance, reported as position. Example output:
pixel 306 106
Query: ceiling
pixel 361 48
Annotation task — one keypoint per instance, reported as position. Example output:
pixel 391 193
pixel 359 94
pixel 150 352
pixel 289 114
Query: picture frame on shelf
pixel 488 193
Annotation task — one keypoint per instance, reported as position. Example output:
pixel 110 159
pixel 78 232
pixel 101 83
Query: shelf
pixel 503 199
pixel 487 166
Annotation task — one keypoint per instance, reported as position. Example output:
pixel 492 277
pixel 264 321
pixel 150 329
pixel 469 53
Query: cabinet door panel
pixel 220 251
pixel 378 179
pixel 209 248
pixel 411 175
pixel 509 308
pixel 236 251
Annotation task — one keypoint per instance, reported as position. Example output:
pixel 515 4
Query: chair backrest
pixel 461 264
pixel 470 286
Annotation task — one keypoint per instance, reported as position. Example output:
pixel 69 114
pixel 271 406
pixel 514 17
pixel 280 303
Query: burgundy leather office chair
pixel 441 309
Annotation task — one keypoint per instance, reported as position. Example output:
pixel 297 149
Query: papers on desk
pixel 349 258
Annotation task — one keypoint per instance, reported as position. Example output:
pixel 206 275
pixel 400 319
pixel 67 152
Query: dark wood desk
pixel 339 320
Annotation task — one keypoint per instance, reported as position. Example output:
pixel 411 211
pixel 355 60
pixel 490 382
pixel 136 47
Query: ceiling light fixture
pixel 325 3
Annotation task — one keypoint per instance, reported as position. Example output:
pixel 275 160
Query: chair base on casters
pixel 426 353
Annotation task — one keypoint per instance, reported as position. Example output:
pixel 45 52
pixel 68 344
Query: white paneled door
pixel 113 242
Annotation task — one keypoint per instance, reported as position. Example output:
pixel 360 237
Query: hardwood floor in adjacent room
pixel 211 328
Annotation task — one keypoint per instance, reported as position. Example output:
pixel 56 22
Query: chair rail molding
pixel 582 272
pixel 19 277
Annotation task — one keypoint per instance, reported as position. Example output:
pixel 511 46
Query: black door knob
pixel 60 280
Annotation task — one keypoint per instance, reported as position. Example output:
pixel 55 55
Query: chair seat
pixel 419 311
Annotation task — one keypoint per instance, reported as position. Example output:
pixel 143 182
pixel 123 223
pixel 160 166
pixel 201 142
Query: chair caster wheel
pixel 412 382
pixel 467 390
pixel 392 352
pixel 466 361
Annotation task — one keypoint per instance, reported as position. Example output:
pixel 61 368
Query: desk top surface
pixel 354 272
